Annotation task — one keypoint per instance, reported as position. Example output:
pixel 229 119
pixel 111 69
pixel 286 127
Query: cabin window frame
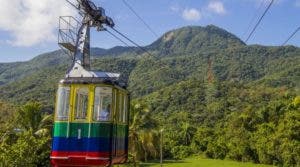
pixel 85 98
pixel 122 108
pixel 101 105
pixel 125 108
pixel 115 107
pixel 65 101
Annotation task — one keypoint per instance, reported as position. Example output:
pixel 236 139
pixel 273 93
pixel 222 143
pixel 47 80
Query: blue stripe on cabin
pixel 99 144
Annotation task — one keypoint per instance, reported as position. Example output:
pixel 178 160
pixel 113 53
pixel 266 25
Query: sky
pixel 29 27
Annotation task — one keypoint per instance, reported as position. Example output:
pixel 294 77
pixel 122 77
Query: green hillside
pixel 15 71
pixel 211 93
pixel 246 64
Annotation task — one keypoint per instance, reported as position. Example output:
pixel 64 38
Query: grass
pixel 202 162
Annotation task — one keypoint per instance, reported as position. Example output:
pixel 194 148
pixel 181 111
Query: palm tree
pixel 187 131
pixel 183 127
pixel 30 117
pixel 142 134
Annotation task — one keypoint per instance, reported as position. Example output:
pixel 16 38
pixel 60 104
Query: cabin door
pixel 79 127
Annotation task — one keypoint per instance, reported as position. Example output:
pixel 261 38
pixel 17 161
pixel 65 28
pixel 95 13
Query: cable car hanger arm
pixel 93 16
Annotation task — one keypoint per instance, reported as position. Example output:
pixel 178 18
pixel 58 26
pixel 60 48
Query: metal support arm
pixel 82 55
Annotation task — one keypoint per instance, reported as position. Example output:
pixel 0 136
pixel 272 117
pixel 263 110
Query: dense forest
pixel 209 92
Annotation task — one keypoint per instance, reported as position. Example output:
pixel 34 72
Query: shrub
pixel 180 152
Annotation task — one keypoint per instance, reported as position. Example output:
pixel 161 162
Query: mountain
pixel 243 64
pixel 10 72
pixel 195 39
pixel 180 55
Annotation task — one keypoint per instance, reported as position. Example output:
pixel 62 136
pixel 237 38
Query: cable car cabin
pixel 91 123
pixel 91 116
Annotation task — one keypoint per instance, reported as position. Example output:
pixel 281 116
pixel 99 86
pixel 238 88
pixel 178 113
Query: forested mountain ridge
pixel 15 71
pixel 182 55
pixel 191 38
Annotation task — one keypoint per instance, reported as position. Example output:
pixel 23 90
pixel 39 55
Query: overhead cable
pixel 253 18
pixel 142 20
pixel 117 37
pixel 291 36
pixel 112 34
pixel 260 19
pixel 124 36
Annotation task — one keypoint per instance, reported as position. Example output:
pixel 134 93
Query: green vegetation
pixel 241 123
pixel 26 141
pixel 199 162
pixel 212 94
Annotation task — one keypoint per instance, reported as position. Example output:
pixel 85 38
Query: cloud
pixel 216 7
pixel 191 14
pixel 32 22
pixel 175 8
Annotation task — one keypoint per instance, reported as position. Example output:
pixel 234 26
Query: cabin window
pixel 102 104
pixel 63 101
pixel 121 108
pixel 81 103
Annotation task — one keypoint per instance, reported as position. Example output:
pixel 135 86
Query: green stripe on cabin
pixel 60 129
pixel 96 129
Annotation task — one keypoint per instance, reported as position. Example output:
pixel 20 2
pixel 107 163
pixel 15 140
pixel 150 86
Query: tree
pixel 31 118
pixel 142 134
pixel 27 150
pixel 7 112
pixel 28 141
